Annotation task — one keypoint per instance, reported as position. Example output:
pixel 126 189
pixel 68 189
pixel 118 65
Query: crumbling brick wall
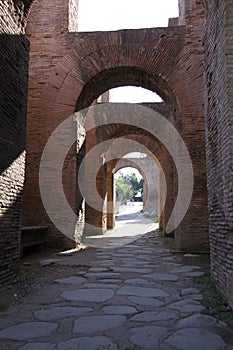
pixel 14 49
pixel 218 43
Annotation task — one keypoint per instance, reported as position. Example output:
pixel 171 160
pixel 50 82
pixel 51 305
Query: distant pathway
pixel 130 225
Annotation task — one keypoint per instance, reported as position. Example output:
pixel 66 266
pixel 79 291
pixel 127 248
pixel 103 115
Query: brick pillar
pixel 110 197
pixel 193 231
pixel 161 199
pixel 168 170
pixel 145 193
pixel 47 29
pixel 95 218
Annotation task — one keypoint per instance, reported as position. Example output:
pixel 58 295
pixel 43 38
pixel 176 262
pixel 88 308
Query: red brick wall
pixel 46 30
pixel 219 136
pixel 14 50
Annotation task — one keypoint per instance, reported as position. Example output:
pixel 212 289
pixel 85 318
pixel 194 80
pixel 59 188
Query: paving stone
pixel 71 280
pixel 169 258
pixel 200 321
pixel 104 263
pixel 119 310
pixel 148 263
pixel 162 277
pixel 187 291
pixel 127 260
pixel 146 301
pixel 189 255
pixel 182 269
pixel 48 262
pixel 140 282
pixel 101 257
pixel 56 313
pixel 38 346
pixel 97 269
pixel 147 337
pixel 90 295
pixel 86 343
pixel 81 273
pixel 30 330
pixel 130 246
pixel 195 274
pixel 187 306
pixel 124 254
pixel 142 291
pixel 110 280
pixel 195 296
pixel 140 288
pixel 145 256
pixel 97 323
pixel 131 269
pixel 195 339
pixel 101 285
pixel 102 274
pixel 150 316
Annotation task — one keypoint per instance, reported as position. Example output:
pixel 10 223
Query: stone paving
pixel 144 299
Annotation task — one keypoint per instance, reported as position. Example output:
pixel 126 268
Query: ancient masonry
pixel 189 64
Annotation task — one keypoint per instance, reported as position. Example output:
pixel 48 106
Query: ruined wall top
pixel 73 15
pixel 14 15
pixel 188 9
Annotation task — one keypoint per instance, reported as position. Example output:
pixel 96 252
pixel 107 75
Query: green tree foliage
pixel 128 186
pixel 133 180
pixel 124 191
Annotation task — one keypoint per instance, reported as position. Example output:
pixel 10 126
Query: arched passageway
pixel 68 70
pixel 154 189
pixel 119 141
pixel 95 63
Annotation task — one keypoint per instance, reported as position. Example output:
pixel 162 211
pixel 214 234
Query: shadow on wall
pixel 10 239
pixel 14 57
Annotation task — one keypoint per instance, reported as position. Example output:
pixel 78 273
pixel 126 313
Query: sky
pixel 102 15
pixel 128 171
pixel 95 15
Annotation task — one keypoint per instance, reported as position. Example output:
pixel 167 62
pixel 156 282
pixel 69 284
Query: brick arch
pixel 155 200
pixel 165 163
pixel 124 163
pixel 123 76
pixel 96 65
pixel 143 143
pixel 157 58
pixel 128 163
pixel 149 171
pixel 100 61
pixel 154 148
